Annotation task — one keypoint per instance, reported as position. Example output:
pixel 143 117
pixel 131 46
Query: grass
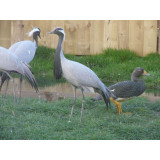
pixel 37 119
pixel 111 66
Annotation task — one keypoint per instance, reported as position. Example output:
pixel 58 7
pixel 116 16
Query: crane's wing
pixel 9 61
pixel 79 74
pixel 25 50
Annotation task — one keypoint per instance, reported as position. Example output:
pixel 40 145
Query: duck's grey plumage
pixel 128 89
pixel 77 74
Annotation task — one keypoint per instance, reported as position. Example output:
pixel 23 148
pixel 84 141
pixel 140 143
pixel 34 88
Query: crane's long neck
pixel 35 39
pixel 57 59
pixel 59 47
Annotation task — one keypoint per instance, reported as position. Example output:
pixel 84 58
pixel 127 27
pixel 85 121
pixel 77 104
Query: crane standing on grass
pixel 9 62
pixel 78 75
pixel 25 51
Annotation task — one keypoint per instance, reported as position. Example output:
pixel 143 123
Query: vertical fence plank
pixel 77 37
pixel 123 34
pixel 83 40
pixel 111 34
pixel 5 33
pixel 96 36
pixel 150 37
pixel 136 36
pixel 71 36
pixel 17 31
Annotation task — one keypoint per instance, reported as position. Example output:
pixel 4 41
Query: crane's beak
pixel 145 73
pixel 39 36
pixel 52 32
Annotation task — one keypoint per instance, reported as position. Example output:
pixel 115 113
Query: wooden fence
pixel 87 36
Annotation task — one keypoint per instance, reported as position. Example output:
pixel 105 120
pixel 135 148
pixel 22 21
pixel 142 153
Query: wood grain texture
pixel 150 37
pixel 86 37
pixel 17 31
pixel 111 34
pixel 136 36
pixel 123 34
pixel 5 33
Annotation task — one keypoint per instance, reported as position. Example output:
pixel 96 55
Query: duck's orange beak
pixel 145 73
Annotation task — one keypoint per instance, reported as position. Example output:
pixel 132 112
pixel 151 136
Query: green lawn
pixel 39 119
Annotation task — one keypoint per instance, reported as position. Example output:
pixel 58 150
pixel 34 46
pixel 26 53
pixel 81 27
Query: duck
pixel 126 90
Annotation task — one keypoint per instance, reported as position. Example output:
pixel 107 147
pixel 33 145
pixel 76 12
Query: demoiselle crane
pixel 9 62
pixel 127 89
pixel 77 74
pixel 25 51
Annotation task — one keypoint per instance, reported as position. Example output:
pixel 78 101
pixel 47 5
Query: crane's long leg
pixel 1 79
pixel 14 92
pixel 12 80
pixel 6 87
pixel 21 79
pixel 74 103
pixel 82 105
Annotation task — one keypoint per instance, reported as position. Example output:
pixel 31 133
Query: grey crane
pixel 77 74
pixel 25 51
pixel 9 62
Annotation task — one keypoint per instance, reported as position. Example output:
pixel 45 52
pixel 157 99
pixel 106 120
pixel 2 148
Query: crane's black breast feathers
pixel 127 89
pixel 57 66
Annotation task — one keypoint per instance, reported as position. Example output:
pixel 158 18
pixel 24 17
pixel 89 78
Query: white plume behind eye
pixel 62 31
pixel 32 31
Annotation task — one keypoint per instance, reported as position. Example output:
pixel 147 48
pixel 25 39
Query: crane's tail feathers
pixel 110 93
pixel 30 78
pixel 0 88
pixel 106 98
pixel 27 65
